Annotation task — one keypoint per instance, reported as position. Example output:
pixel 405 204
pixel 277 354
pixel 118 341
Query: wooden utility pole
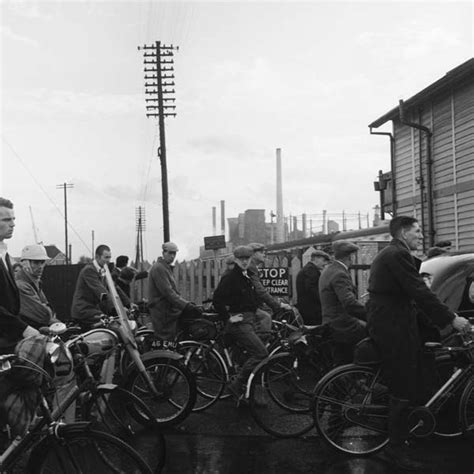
pixel 65 186
pixel 160 59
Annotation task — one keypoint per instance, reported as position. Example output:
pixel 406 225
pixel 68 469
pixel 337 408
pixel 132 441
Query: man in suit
pixel 90 296
pixel 340 307
pixel 12 329
pixel 307 287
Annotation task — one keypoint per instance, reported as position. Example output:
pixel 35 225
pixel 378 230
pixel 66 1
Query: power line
pixel 43 190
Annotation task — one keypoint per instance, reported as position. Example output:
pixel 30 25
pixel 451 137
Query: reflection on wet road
pixel 225 440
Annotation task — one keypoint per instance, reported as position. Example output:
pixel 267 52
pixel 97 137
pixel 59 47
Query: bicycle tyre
pixel 350 410
pixel 209 371
pixel 285 412
pixel 175 386
pixel 466 410
pixel 110 408
pixel 79 449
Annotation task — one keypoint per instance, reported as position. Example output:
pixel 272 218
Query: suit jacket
pixel 307 290
pixel 88 300
pixel 340 307
pixel 11 327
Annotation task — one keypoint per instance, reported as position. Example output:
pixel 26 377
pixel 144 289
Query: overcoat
pixel 34 307
pixel 307 290
pixel 11 327
pixel 89 295
pixel 396 290
pixel 164 300
pixel 341 309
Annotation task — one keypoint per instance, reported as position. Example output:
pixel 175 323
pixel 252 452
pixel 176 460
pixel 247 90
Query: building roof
pixel 452 77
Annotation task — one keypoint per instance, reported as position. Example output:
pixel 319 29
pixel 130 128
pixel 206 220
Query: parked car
pixel 450 274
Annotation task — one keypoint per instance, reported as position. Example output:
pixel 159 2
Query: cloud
pixel 7 32
pixel 410 41
pixel 54 103
pixel 31 9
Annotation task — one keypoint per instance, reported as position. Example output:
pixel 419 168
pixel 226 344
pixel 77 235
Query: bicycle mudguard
pixel 165 354
pixel 279 355
pixel 62 429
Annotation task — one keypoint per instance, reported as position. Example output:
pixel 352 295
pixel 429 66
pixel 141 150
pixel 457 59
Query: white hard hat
pixel 34 252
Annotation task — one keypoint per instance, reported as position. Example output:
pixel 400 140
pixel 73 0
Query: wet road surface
pixel 226 440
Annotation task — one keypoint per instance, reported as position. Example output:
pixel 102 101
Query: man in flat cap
pixel 397 294
pixel 307 288
pixel 264 319
pixel 166 305
pixel 236 300
pixel 340 307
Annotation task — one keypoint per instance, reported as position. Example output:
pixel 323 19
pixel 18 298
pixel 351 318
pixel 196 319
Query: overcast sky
pixel 250 77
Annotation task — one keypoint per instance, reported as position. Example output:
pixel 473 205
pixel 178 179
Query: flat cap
pixel 342 248
pixel 435 251
pixel 243 251
pixel 320 253
pixel 170 247
pixel 256 247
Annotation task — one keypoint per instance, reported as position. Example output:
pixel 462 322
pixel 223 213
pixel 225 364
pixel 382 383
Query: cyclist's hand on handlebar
pixel 236 318
pixel 285 306
pixel 461 324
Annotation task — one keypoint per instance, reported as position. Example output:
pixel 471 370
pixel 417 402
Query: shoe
pixel 402 456
pixel 260 397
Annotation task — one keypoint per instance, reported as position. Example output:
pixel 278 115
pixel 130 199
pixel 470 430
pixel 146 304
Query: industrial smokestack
pixel 280 230
pixel 222 217
pixel 214 225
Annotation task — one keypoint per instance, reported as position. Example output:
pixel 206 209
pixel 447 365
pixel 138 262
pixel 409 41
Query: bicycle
pixel 350 405
pixel 59 447
pixel 288 378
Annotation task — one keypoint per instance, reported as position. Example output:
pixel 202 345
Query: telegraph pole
pixel 65 187
pixel 160 59
pixel 140 223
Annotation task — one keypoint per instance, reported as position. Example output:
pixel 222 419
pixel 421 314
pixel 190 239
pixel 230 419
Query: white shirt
pixel 3 252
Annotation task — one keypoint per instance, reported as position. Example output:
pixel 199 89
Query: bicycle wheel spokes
pixel 350 412
pixel 277 402
pixel 175 390
pixel 88 452
pixel 208 370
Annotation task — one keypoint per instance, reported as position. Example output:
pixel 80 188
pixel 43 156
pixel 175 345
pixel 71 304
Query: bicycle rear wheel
pixel 350 409
pixel 79 450
pixel 280 396
pixel 208 369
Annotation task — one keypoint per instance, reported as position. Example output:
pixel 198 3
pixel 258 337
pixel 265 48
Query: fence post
pixel 192 285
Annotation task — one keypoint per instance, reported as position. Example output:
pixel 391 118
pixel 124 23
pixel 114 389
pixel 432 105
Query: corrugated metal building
pixel 432 158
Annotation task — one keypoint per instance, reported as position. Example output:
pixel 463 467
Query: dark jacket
pixel 262 293
pixel 34 306
pixel 89 295
pixel 396 289
pixel 11 327
pixel 397 294
pixel 307 290
pixel 235 293
pixel 340 307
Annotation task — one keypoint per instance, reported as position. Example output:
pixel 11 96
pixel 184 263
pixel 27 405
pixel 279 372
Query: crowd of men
pixel 398 297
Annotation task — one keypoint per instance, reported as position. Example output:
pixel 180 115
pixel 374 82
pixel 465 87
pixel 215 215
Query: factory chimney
pixel 280 221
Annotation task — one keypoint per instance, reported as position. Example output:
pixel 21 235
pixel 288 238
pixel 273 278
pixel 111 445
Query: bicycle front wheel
pixel 174 393
pixel 209 371
pixel 350 409
pixel 466 410
pixel 280 396
pixel 78 450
